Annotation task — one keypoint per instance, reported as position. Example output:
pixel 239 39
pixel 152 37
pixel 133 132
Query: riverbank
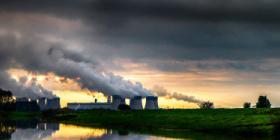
pixel 257 122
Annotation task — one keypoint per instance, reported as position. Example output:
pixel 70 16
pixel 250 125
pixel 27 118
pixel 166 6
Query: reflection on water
pixel 34 130
pixel 31 130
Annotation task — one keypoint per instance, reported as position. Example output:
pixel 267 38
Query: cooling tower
pixel 53 103
pixel 42 102
pixel 117 100
pixel 109 99
pixel 136 103
pixel 151 103
pixel 23 99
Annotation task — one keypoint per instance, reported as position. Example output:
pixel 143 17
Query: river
pixel 34 130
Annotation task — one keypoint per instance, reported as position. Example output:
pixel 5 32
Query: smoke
pixel 23 87
pixel 42 57
pixel 161 91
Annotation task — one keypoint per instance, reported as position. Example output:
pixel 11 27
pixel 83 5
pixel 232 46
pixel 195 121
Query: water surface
pixel 55 131
pixel 33 130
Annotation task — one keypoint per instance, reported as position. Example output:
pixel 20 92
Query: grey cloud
pixel 136 30
pixel 217 10
pixel 241 33
pixel 254 66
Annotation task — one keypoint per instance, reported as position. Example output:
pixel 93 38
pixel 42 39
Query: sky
pixel 184 51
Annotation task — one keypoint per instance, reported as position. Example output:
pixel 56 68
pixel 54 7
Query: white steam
pixel 161 91
pixel 36 55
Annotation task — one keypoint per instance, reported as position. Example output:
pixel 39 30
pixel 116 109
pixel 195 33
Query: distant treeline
pixel 8 103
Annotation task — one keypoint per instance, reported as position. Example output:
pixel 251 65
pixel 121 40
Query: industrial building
pixel 114 101
pixel 88 106
pixel 117 100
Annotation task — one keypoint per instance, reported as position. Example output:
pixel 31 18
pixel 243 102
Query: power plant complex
pixel 113 103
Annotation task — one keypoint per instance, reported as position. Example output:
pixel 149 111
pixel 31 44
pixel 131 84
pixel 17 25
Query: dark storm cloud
pixel 178 30
pixel 214 10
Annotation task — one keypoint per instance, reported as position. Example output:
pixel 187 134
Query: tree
pixel 247 105
pixel 6 97
pixel 206 105
pixel 263 102
pixel 7 102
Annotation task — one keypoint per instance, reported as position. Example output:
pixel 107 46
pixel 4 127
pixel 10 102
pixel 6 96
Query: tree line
pixel 9 103
pixel 263 102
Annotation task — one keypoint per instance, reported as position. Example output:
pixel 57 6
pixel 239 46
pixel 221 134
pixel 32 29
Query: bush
pixel 206 105
pixel 263 102
pixel 124 107
pixel 247 105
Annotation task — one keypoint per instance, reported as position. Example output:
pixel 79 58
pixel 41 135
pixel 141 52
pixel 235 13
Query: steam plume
pixel 23 88
pixel 41 57
pixel 161 91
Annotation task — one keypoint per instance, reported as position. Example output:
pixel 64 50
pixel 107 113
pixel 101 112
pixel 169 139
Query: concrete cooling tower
pixel 24 99
pixel 151 103
pixel 42 103
pixel 53 103
pixel 109 100
pixel 117 100
pixel 136 103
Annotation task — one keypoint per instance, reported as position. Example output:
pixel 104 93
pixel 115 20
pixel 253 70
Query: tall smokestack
pixel 136 103
pixel 117 100
pixel 151 103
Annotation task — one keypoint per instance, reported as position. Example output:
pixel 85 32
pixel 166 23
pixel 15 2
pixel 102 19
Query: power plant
pixel 114 101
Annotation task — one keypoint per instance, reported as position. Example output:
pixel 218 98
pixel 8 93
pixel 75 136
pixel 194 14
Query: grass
pixel 241 121
pixel 19 115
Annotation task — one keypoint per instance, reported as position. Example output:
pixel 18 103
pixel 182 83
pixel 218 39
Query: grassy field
pixel 256 122
pixel 241 121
